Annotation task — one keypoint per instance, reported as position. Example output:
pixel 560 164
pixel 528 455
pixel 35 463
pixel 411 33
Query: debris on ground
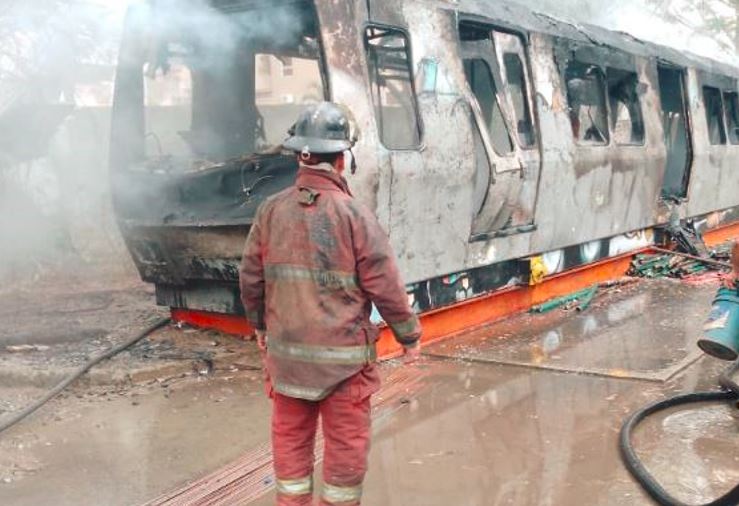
pixel 667 264
pixel 722 252
pixel 686 237
pixel 579 301
pixel 26 347
pixel 661 265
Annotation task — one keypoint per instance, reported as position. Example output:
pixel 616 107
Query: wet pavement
pixel 103 448
pixel 636 331
pixel 500 422
pixel 526 411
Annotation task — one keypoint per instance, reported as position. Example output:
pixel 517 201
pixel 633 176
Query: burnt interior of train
pixel 204 116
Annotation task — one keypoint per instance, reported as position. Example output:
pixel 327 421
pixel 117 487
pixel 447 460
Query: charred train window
pixel 714 115
pixel 627 122
pixel 483 86
pixel 587 103
pixel 284 86
pixel 168 105
pixel 220 85
pixel 388 55
pixel 516 79
pixel 731 101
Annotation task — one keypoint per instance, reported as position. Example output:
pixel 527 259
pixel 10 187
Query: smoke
pixel 57 69
pixel 56 80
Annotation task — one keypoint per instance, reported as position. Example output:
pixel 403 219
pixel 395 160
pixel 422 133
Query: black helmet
pixel 323 128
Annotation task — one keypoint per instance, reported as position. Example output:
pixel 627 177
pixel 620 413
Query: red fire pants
pixel 345 418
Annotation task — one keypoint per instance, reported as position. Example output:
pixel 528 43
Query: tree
pixel 41 43
pixel 718 19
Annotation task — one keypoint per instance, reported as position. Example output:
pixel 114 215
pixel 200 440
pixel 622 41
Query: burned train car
pixel 488 134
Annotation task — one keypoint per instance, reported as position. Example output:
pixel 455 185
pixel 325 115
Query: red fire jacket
pixel 314 261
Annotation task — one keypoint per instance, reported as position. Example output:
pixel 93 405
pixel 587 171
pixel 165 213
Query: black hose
pixel 729 393
pixel 17 417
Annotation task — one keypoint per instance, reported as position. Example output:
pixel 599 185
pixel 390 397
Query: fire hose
pixel 17 417
pixel 729 392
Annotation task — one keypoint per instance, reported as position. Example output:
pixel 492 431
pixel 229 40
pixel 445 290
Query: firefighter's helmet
pixel 323 128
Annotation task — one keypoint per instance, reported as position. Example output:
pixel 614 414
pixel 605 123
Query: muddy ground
pixel 526 411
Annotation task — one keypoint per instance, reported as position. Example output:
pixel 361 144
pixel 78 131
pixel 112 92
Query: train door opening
pixel 506 145
pixel 676 123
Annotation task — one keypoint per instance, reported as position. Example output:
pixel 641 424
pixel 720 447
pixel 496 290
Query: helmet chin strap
pixel 354 162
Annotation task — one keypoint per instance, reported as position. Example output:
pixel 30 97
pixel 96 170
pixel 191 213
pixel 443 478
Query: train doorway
pixel 676 123
pixel 506 141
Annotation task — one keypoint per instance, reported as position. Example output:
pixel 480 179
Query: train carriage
pixel 491 138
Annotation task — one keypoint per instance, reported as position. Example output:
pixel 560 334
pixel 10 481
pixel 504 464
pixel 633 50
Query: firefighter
pixel 731 280
pixel 314 262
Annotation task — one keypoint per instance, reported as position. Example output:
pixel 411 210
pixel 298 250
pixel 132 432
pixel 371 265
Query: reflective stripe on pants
pixel 333 494
pixel 300 486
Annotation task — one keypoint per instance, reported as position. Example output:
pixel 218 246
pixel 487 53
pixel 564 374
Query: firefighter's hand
pixel 261 337
pixel 412 354
pixel 730 280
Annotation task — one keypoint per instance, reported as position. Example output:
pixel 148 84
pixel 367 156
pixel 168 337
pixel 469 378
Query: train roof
pixel 518 16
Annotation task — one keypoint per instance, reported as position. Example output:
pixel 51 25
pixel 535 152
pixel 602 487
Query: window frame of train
pixel 672 82
pixel 506 133
pixel 715 114
pixel 377 31
pixel 578 69
pixel 511 44
pixel 731 115
pixel 621 82
pixel 499 133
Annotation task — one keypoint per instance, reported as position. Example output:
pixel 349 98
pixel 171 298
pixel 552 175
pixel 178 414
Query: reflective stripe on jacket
pixel 314 262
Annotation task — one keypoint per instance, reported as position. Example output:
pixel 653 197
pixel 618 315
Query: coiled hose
pixel 17 417
pixel 729 393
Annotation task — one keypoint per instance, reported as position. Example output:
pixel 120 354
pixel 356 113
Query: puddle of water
pixel 485 435
pixel 132 448
pixel 646 333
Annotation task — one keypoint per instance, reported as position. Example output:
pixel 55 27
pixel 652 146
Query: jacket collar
pixel 319 179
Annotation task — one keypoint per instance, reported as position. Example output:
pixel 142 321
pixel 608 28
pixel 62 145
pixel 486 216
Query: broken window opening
pixel 281 96
pixel 208 98
pixel 673 99
pixel 287 67
pixel 714 115
pixel 393 92
pixel 627 121
pixel 731 101
pixel 587 103
pixel 168 104
pixel 481 81
pixel 516 78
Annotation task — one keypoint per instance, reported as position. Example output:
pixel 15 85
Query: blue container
pixel 721 331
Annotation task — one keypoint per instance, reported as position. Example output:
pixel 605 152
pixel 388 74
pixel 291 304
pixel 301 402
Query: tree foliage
pixel 42 41
pixel 717 19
